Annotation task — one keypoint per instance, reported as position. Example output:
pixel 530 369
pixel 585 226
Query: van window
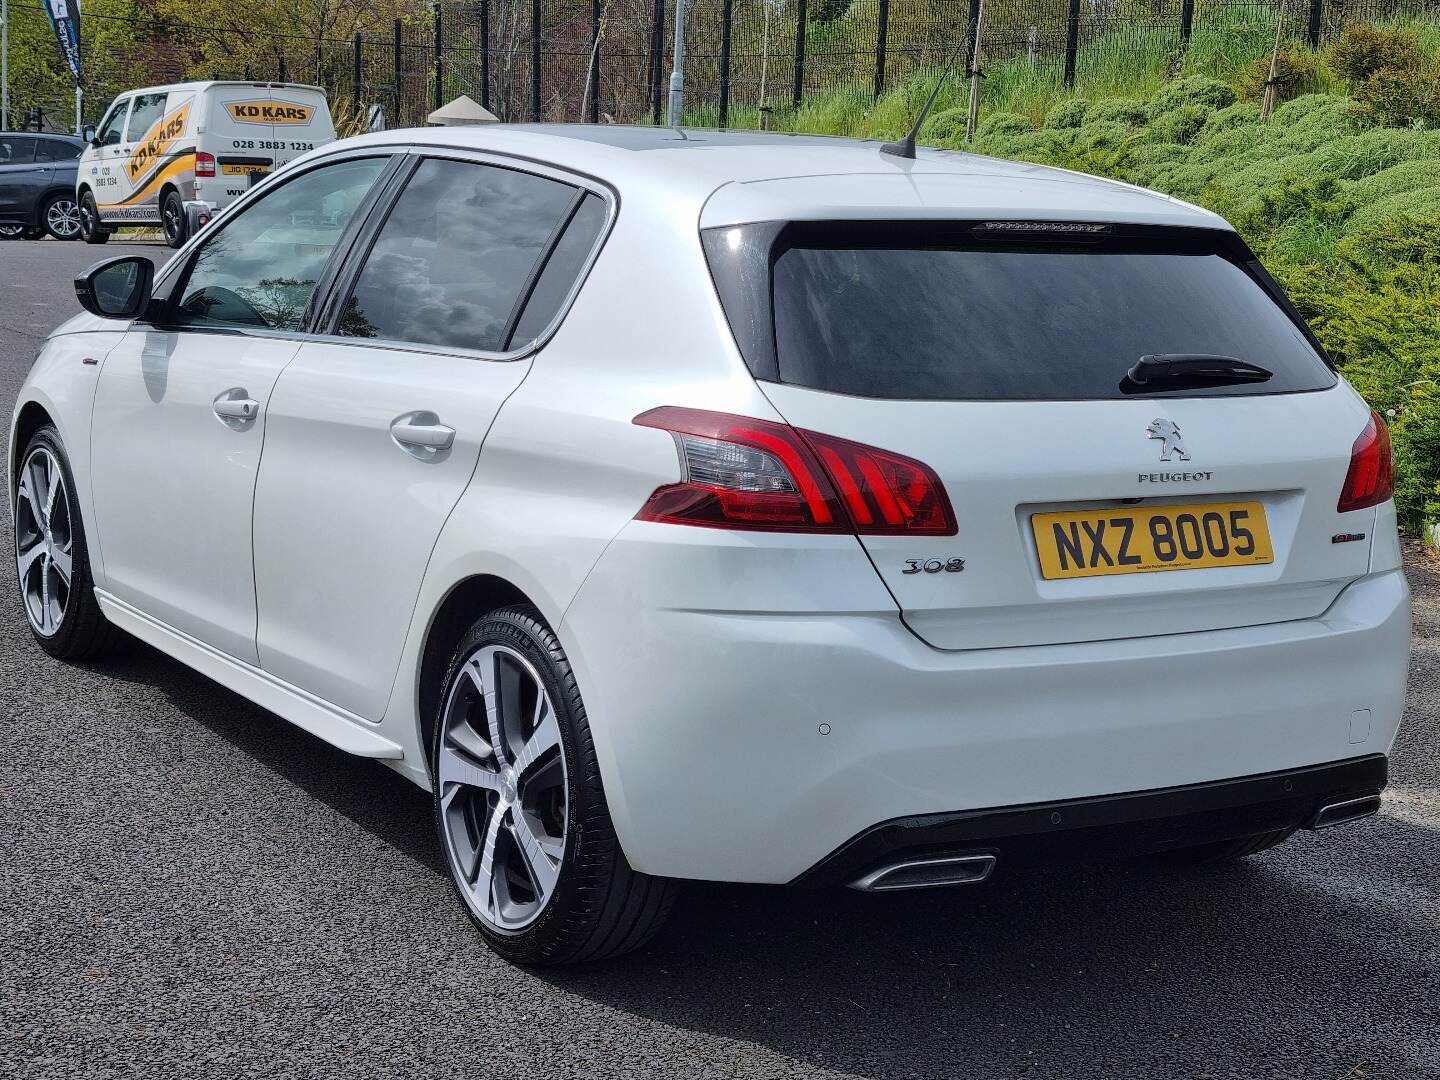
pixel 113 124
pixel 456 255
pixel 261 269
pixel 147 109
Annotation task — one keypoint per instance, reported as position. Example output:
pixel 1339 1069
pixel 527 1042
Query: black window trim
pixel 177 273
pixel 744 281
pixel 343 282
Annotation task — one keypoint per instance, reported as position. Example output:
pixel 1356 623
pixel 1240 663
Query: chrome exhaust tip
pixel 927 873
pixel 1342 813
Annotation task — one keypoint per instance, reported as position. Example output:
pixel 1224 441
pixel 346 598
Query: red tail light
pixel 1371 478
pixel 742 473
pixel 204 163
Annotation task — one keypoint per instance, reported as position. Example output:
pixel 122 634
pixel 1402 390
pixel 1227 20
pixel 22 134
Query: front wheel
pixel 52 561
pixel 520 808
pixel 172 216
pixel 91 231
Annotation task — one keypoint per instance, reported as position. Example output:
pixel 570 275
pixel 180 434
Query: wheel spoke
pixel 39 492
pixel 60 562
pixel 457 768
pixel 488 666
pixel 26 559
pixel 539 864
pixel 484 870
pixel 545 737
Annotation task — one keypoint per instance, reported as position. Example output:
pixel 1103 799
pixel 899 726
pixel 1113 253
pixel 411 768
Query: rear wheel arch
pixel 463 604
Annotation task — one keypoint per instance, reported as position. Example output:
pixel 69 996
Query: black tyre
pixel 12 232
pixel 57 592
pixel 1226 850
pixel 172 216
pixel 61 217
pixel 520 808
pixel 91 231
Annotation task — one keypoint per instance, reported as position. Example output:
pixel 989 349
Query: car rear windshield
pixel 949 314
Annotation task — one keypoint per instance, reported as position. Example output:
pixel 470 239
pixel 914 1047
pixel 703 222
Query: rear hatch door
pixel 1089 507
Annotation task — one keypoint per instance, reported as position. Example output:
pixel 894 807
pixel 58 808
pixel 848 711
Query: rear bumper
pixel 1081 830
pixel 750 722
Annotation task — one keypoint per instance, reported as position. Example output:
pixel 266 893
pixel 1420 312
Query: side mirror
pixel 88 134
pixel 116 288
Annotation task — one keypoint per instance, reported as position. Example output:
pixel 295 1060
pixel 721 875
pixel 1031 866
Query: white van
pixel 175 155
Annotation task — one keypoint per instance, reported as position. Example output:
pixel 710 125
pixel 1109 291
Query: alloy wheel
pixel 501 771
pixel 43 541
pixel 11 232
pixel 173 225
pixel 63 219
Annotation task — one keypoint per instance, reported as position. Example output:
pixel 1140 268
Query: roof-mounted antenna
pixel 905 148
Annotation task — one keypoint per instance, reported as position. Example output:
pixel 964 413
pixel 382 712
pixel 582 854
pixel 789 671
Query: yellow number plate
pixel 1136 540
pixel 243 170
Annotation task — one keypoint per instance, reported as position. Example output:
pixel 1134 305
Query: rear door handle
pixel 235 407
pixel 422 435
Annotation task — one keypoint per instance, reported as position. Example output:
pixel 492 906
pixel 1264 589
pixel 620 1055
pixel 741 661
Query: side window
pixel 456 255
pixel 16 150
pixel 55 150
pixel 561 269
pixel 113 124
pixel 261 268
pixel 147 109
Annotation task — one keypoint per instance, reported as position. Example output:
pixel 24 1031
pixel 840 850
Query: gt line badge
pixel 933 566
pixel 1170 440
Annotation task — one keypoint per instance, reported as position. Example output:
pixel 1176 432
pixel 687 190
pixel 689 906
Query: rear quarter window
pixel 946 314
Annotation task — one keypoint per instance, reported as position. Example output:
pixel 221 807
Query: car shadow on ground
pixel 1125 966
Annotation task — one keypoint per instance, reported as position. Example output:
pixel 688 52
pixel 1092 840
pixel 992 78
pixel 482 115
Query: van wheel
pixel 172 216
pixel 91 231
pixel 523 822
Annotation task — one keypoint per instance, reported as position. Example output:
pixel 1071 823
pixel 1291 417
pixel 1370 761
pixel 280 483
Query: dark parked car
pixel 37 185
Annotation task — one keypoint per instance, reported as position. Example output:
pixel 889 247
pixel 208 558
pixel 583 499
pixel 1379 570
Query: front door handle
pixel 236 408
pixel 422 435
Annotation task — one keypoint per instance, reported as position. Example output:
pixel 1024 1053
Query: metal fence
pixel 603 60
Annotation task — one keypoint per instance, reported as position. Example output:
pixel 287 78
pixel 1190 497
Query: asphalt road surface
pixel 190 887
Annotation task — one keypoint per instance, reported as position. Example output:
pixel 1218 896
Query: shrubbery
pixel 1339 194
pixel 1345 214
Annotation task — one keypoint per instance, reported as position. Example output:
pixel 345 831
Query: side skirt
pixel 335 726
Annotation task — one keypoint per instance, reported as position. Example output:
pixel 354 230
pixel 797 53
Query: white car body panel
pixel 333 615
pixel 756 699
pixel 174 487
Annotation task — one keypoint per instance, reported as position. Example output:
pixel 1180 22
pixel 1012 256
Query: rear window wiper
pixel 1192 368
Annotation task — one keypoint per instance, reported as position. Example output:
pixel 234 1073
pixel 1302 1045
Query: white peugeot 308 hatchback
pixel 740 507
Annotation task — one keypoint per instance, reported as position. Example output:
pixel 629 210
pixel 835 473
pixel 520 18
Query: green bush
pixel 1407 97
pixel 998 124
pixel 1361 50
pixel 1192 90
pixel 1069 113
pixel 1180 125
pixel 1297 71
pixel 1128 111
